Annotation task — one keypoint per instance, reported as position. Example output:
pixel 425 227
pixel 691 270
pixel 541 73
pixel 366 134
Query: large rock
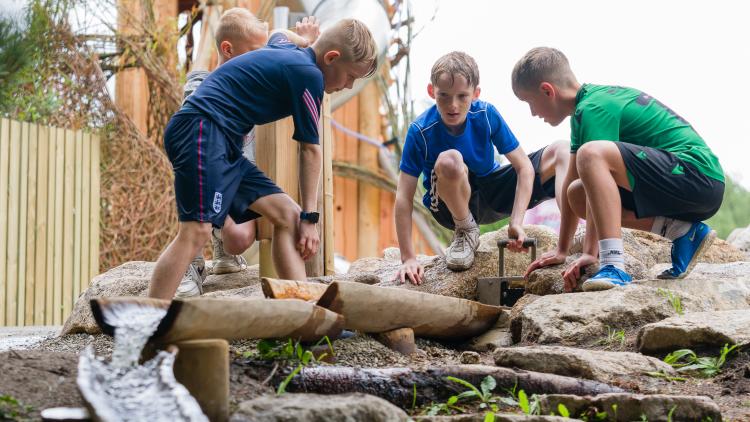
pixel 578 318
pixel 132 279
pixel 643 250
pixel 315 407
pixel 438 279
pixel 630 407
pixel 696 330
pixel 720 287
pixel 491 340
pixel 740 239
pixel 129 279
pixel 579 363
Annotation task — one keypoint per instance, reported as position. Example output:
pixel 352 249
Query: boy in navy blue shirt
pixel 203 141
pixel 453 144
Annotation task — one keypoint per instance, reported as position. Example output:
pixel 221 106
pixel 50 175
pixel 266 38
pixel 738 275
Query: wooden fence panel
pixel 49 221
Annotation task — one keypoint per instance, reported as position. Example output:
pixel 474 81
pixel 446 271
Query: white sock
pixel 466 223
pixel 611 252
pixel 670 228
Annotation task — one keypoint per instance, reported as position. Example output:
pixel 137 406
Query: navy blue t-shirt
pixel 485 131
pixel 263 86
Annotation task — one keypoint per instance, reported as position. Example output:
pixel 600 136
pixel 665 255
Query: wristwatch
pixel 311 217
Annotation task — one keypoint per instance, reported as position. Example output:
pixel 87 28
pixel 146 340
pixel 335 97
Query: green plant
pixel 686 360
pixel 673 300
pixel 291 351
pixel 529 406
pixel 671 411
pixel 12 409
pixel 662 374
pixel 613 336
pixel 562 410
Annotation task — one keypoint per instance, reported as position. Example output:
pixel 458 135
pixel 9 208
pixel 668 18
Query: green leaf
pixel 465 384
pixel 282 387
pixel 489 417
pixel 562 410
pixel 488 384
pixel 452 400
pixel 523 402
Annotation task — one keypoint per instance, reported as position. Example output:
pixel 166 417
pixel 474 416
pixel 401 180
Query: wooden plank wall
pixel 49 221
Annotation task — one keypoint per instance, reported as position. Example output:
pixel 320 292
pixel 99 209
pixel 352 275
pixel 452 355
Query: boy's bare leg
pixel 173 262
pixel 577 200
pixel 453 183
pixel 237 237
pixel 554 162
pixel 283 213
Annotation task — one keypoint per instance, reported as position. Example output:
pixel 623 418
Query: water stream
pixel 123 390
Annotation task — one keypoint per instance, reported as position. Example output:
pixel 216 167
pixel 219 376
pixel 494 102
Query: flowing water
pixel 122 390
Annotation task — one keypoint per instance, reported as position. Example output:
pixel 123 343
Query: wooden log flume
pixel 232 319
pixel 373 309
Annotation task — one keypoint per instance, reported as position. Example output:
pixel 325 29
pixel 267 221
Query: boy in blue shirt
pixel 203 141
pixel 453 145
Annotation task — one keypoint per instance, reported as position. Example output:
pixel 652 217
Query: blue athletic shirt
pixel 427 137
pixel 263 86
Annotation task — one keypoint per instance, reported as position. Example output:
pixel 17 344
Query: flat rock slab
pixel 630 407
pixel 318 407
pixel 696 330
pixel 721 287
pixel 491 340
pixel 580 363
pixel 581 318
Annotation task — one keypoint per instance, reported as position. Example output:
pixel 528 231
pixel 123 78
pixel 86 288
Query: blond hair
pixel 353 40
pixel 453 64
pixel 239 24
pixel 542 64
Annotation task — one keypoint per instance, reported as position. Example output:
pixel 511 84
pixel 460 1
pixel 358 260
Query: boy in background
pixel 203 141
pixel 453 145
pixel 238 32
pixel 634 162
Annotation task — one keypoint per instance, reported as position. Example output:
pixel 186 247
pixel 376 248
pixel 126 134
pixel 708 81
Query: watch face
pixel 309 216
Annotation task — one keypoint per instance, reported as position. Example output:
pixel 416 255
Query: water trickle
pixel 122 390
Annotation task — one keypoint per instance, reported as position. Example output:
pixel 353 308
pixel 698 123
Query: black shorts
pixel 210 181
pixel 665 185
pixel 492 196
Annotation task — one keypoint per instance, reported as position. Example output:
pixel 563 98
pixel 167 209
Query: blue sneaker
pixel 686 250
pixel 606 278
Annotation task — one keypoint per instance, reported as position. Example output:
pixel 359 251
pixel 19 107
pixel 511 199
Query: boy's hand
pixel 548 258
pixel 308 243
pixel 309 29
pixel 516 236
pixel 572 274
pixel 412 270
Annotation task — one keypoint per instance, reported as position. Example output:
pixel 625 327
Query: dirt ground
pixel 45 376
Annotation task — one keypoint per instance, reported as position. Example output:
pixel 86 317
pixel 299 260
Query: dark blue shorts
pixel 492 196
pixel 211 181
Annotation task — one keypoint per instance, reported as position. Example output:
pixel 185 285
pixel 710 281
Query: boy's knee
pixel 588 154
pixel 450 164
pixel 577 198
pixel 286 217
pixel 197 233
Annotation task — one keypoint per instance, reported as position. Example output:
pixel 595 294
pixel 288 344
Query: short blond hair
pixel 542 64
pixel 353 40
pixel 453 64
pixel 237 24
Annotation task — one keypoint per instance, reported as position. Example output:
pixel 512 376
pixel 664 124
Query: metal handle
pixel 502 243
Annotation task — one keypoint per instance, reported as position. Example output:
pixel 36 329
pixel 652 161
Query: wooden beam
pixel 274 288
pixel 368 195
pixel 327 188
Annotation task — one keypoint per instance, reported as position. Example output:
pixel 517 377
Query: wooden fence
pixel 49 221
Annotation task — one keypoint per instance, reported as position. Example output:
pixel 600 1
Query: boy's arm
pixel 308 31
pixel 568 224
pixel 524 187
pixel 407 186
pixel 311 158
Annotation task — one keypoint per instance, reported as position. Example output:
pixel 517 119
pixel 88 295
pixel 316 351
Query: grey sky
pixel 691 55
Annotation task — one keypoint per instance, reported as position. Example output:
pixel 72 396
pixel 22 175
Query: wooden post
pixel 327 188
pixel 202 366
pixel 345 191
pixel 4 229
pixel 369 196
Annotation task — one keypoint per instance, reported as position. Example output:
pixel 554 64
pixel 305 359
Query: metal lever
pixel 502 243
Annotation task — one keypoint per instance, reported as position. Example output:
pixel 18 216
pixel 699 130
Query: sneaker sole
pixel 192 293
pixel 705 244
pixel 598 285
pixel 226 269
pixel 458 267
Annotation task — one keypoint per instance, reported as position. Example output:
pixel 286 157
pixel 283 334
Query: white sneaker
pixel 225 263
pixel 192 282
pixel 460 254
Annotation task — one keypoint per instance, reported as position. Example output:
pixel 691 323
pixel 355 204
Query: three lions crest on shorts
pixel 217 201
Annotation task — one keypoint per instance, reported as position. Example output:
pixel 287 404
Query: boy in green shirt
pixel 634 163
